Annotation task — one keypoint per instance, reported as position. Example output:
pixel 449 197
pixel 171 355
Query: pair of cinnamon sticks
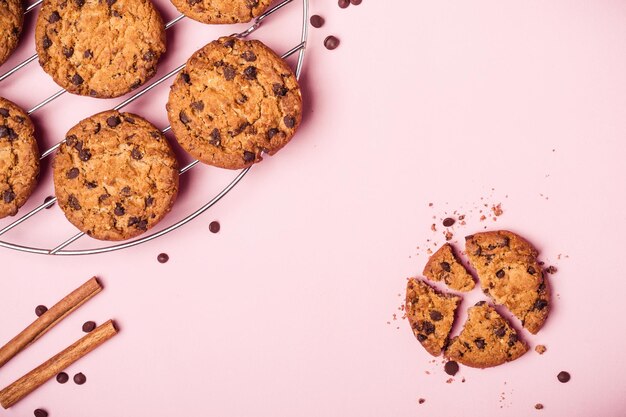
pixel 38 376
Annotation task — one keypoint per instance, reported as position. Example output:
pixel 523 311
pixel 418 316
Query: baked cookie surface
pixel 19 158
pixel 234 100
pixel 99 48
pixel 486 340
pixel 430 314
pixel 222 11
pixel 444 266
pixel 11 21
pixel 115 176
pixel 509 273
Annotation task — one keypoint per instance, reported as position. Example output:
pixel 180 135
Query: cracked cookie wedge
pixel 11 21
pixel 509 273
pixel 19 158
pixel 486 340
pixel 222 11
pixel 115 176
pixel 444 266
pixel 99 48
pixel 430 314
pixel 235 100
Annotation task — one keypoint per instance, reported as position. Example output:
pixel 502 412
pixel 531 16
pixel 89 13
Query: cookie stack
pixel 508 270
pixel 115 174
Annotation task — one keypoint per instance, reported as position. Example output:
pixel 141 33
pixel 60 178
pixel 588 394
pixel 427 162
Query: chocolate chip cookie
pixel 115 176
pixel 99 48
pixel 222 11
pixel 11 21
pixel 486 340
pixel 509 273
pixel 19 158
pixel 234 100
pixel 430 314
pixel 444 266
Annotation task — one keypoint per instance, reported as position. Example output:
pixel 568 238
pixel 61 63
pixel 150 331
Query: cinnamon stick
pixel 35 378
pixel 49 319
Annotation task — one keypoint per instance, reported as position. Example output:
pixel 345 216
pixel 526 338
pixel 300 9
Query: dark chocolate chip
pixel 249 156
pixel 125 191
pixel 563 376
pixel 142 224
pixel 229 43
pixel 136 154
pixel 539 406
pixel 500 273
pixel 183 117
pixel 149 56
pixel 163 257
pixel 80 378
pixel 356 2
pixel 111 2
pixel 73 202
pixel 343 3
pixel 448 221
pixel 68 52
pixel 480 303
pixel 279 90
pixel 241 99
pixel 216 137
pixel 500 331
pixel 185 77
pixel 451 368
pixel 445 266
pixel 79 3
pixel 54 17
pixel 540 304
pixel 103 197
pixel 72 173
pixel 62 377
pixel 436 315
pixel 229 72
pixel 272 132
pixel 4 132
pixel 88 326
pixel 331 42
pixel 428 327
pixel 40 413
pixel 91 185
pixel 4 112
pixel 251 4
pixel 240 129
pixel 290 122
pixel 40 309
pixel 421 337
pixel 250 73
pixel 87 54
pixel 317 21
pixel 129 120
pixel 84 155
pixel 480 343
pixel 531 270
pixel 214 227
pixel 46 42
pixel 512 339
pixel 119 209
pixel 249 56
pixel 149 201
pixel 77 79
pixel 113 121
pixel 197 105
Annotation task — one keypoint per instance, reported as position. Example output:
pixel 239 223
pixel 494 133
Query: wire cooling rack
pixel 60 249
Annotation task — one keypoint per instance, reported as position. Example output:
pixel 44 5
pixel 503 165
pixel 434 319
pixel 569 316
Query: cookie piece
pixel 19 158
pixel 234 100
pixel 486 340
pixel 444 266
pixel 222 11
pixel 430 314
pixel 11 21
pixel 99 48
pixel 115 176
pixel 510 274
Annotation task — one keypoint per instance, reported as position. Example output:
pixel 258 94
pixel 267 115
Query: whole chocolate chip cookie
pixel 11 20
pixel 115 176
pixel 444 266
pixel 222 11
pixel 510 274
pixel 430 314
pixel 99 48
pixel 486 340
pixel 19 158
pixel 234 101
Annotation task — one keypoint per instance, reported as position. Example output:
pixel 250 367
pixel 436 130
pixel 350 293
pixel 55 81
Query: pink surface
pixel 289 309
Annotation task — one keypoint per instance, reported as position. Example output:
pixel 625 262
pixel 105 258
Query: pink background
pixel 289 309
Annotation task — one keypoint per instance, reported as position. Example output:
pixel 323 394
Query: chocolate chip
pixel 149 201
pixel 480 303
pixel 480 343
pixel 271 133
pixel 116 13
pixel 448 221
pixel 240 129
pixel 563 376
pixel 500 331
pixel 4 132
pixel 79 3
pixel 331 42
pixel 72 173
pixel 88 326
pixel 111 2
pixel 317 21
pixel 113 121
pixel 251 4
pixel 279 90
pixel 290 122
pixel 185 77
pixel 250 73
pixel 68 52
pixel 539 406
pixel 136 154
pixel 229 72
pixel 249 156
pixel 216 137
pixel 445 266
pixel 140 224
pixel 241 99
pixel 40 309
pixel 119 209
pixel 80 378
pixel 4 112
pixel 77 79
pixel 84 155
pixel 87 54
pixel 512 339
pixel 62 377
pixel 451 368
pixel 428 327
pixel 46 42
pixel 103 197
pixel 92 184
pixel 197 105
pixel 540 304
pixel 40 413
pixel 54 17
pixel 531 270
pixel 214 227
pixel 249 56
pixel 129 120
pixel 343 3
pixel 356 2
pixel 183 117
pixel 229 43
pixel 149 56
pixel 163 257
pixel 421 401
pixel 125 191
pixel 436 315
pixel 421 337
pixel 73 202
pixel 500 273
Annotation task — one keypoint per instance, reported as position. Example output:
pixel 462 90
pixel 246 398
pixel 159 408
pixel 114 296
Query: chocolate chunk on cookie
pixel 99 48
pixel 115 176
pixel 444 266
pixel 430 314
pixel 234 100
pixel 222 11
pixel 509 272
pixel 11 21
pixel 19 158
pixel 486 340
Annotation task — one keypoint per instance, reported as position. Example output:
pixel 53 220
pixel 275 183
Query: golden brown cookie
pixel 486 340
pixel 19 158
pixel 444 266
pixel 234 100
pixel 508 271
pixel 99 48
pixel 11 21
pixel 222 11
pixel 115 176
pixel 430 314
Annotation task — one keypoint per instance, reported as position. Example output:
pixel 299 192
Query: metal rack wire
pixel 60 248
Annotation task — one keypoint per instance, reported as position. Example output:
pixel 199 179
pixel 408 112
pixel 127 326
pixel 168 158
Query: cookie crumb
pixel 551 269
pixel 450 380
pixel 448 235
pixel 433 227
pixel 421 401
pixel 497 209
pixel 539 406
pixel 540 349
